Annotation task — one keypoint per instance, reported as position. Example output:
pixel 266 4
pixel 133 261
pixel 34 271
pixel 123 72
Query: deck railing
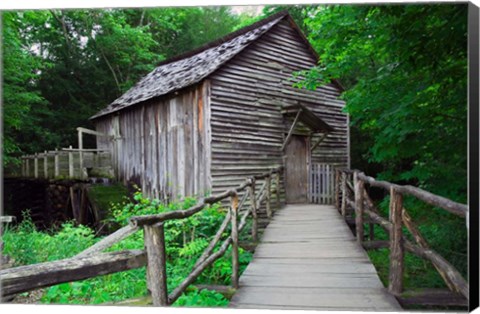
pixel 91 262
pixel 351 197
pixel 69 163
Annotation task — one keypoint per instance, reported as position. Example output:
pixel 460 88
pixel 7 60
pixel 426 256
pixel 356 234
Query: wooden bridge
pixel 307 258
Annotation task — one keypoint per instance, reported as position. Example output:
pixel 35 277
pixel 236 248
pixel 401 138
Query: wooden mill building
pixel 203 121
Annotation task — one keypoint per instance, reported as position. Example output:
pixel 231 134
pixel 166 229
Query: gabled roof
pixel 190 68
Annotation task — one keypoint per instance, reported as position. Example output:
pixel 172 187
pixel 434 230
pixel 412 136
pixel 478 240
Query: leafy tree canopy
pixel 404 69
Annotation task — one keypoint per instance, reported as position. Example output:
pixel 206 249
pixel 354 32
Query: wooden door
pixel 296 169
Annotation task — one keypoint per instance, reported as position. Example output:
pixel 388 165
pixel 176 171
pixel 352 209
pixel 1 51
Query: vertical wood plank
pixel 154 237
pixel 23 168
pixel 235 259
pixel 28 167
pixel 35 165
pixel 57 163
pixel 253 201
pixel 269 195
pixel 70 163
pixel 359 186
pixel 395 278
pixel 45 165
pixel 344 194
pixel 80 152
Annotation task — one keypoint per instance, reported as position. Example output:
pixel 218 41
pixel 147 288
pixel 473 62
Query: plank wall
pixel 162 146
pixel 247 93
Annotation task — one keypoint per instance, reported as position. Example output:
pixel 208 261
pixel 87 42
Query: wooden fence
pixel 321 182
pixel 91 262
pixel 71 163
pixel 351 197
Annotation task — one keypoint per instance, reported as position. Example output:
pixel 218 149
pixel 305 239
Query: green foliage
pixel 404 68
pixel 185 241
pixel 62 66
pixel 27 245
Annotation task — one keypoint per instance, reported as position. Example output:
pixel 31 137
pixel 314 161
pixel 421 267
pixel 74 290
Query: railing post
pixel 23 167
pixel 80 152
pixel 57 163
pixel 395 285
pixel 253 201
pixel 344 194
pixel 235 259
pixel 268 181
pixel 277 186
pixel 28 166
pixel 45 165
pixel 35 164
pixel 70 162
pixel 337 188
pixel 359 186
pixel 154 237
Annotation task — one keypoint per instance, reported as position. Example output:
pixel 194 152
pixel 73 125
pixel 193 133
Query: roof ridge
pixel 225 38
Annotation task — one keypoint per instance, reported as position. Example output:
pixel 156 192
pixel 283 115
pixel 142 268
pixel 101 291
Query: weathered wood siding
pixel 247 93
pixel 162 145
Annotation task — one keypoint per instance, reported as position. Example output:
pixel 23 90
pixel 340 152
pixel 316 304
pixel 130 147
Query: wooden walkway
pixel 308 259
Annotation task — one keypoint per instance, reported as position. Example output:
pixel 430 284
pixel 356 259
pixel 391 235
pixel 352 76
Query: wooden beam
pixel 429 198
pixel 27 278
pixel 287 139
pixel 320 140
pixel 268 182
pixel 110 240
pixel 80 151
pixel 92 132
pixel 234 236
pixel 432 297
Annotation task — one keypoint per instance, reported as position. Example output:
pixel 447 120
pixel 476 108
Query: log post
pixel 235 259
pixel 70 163
pixel 395 285
pixel 277 187
pixel 359 186
pixel 253 201
pixel 35 164
pixel 344 194
pixel 45 165
pixel 57 163
pixel 80 152
pixel 154 238
pixel 268 181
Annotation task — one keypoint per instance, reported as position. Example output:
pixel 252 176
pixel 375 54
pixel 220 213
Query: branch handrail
pixel 355 197
pixel 154 256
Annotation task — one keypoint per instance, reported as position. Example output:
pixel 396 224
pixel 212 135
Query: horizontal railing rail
pixel 92 262
pixel 351 194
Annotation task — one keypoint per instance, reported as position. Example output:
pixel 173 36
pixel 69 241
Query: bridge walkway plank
pixel 309 259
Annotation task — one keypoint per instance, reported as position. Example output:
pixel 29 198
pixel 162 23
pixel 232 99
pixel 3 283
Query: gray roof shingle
pixel 180 73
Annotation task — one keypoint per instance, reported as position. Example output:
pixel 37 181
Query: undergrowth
pixel 185 241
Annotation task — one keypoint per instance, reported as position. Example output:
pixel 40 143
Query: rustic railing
pixel 67 162
pixel 352 197
pixel 91 262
